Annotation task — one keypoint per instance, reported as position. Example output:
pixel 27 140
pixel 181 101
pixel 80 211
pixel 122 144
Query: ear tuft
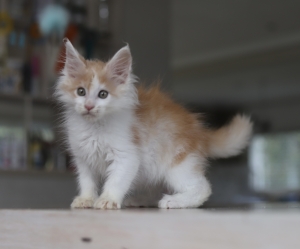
pixel 119 67
pixel 74 64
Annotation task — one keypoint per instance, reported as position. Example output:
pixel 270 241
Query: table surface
pixel 151 228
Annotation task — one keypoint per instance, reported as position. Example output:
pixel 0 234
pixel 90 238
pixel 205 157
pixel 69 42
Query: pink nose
pixel 89 107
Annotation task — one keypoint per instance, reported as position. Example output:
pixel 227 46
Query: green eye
pixel 81 91
pixel 103 94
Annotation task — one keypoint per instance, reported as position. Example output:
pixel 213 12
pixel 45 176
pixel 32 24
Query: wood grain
pixel 149 228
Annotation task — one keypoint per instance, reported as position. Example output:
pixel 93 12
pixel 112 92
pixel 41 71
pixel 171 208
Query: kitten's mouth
pixel 88 114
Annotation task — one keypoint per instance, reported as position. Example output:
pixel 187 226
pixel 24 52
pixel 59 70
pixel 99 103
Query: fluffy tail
pixel 231 139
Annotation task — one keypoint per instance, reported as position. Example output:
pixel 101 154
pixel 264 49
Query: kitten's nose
pixel 89 107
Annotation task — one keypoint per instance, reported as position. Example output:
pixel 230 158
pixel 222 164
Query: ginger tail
pixel 231 139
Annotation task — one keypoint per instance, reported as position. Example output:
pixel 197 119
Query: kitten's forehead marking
pixel 95 83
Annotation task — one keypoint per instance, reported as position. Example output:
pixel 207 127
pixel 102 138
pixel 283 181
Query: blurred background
pixel 217 57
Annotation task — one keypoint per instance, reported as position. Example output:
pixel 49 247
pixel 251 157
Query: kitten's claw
pixel 82 202
pixel 106 203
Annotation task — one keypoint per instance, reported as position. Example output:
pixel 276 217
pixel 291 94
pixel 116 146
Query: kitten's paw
pixel 106 203
pixel 82 202
pixel 181 200
pixel 169 201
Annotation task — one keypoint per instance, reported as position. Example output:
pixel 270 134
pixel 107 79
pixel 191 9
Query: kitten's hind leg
pixel 191 189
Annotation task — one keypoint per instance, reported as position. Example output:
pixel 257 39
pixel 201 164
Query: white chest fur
pixel 97 143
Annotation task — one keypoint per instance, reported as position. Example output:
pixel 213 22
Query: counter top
pixel 262 227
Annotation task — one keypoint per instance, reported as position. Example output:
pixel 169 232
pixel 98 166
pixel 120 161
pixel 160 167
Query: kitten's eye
pixel 103 94
pixel 81 91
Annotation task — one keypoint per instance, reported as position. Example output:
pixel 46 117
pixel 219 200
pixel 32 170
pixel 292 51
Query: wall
pixel 145 26
pixel 36 190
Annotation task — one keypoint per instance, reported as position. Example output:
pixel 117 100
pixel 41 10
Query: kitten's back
pixel 178 131
pixel 162 118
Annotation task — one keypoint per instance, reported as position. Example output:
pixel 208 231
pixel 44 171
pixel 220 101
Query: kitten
pixel 136 138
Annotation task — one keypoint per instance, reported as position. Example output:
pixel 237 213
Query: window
pixel 275 163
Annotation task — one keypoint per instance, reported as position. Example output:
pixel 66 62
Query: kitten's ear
pixel 74 64
pixel 119 67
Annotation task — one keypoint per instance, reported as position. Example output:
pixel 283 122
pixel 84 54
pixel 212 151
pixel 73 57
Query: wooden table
pixel 150 228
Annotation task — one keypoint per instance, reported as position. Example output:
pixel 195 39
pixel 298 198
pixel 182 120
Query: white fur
pixel 104 149
pixel 189 184
pixel 102 146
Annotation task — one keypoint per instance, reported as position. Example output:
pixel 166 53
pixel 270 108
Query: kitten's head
pixel 94 88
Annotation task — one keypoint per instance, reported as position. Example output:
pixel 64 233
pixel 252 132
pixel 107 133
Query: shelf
pixel 23 97
pixel 11 97
pixel 36 172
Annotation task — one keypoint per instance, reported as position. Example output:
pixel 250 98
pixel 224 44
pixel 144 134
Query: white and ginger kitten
pixel 136 139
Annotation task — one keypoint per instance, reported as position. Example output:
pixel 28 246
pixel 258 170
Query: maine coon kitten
pixel 136 138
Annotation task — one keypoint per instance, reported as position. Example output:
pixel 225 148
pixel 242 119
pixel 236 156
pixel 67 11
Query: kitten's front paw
pixel 106 203
pixel 82 202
